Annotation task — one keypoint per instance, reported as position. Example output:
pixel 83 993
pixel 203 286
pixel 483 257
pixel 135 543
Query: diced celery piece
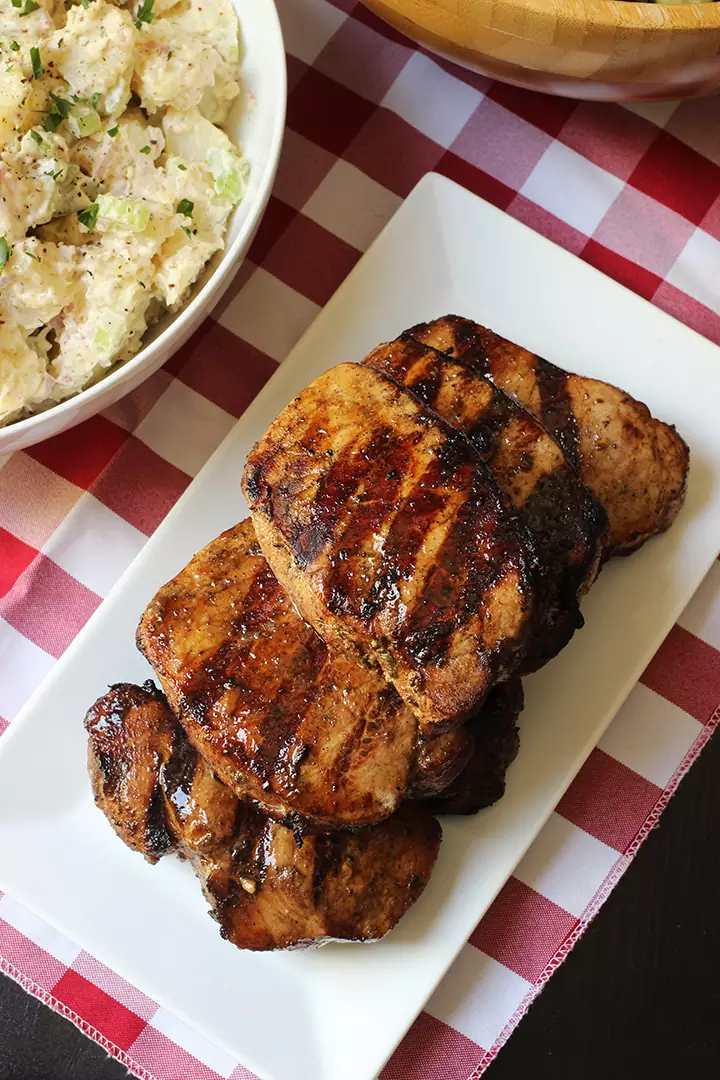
pixel 109 335
pixel 125 213
pixel 83 120
pixel 229 173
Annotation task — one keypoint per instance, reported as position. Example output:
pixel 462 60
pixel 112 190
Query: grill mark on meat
pixel 266 703
pixel 405 537
pixel 409 529
pixel 633 463
pixel 567 523
pixel 272 743
pixel 178 774
pixel 400 552
pixel 327 851
pixel 353 738
pixel 277 745
pixel 265 591
pixel 108 766
pixel 429 635
pixel 157 837
pixel 401 517
pixel 561 516
pixel 474 345
pixel 410 366
pixel 427 384
pixel 465 339
pixel 347 567
pixel 486 434
pixel 335 491
pixel 556 409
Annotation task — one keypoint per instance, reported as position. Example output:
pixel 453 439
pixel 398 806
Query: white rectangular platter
pixel 340 1011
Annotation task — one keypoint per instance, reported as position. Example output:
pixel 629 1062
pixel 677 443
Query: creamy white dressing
pixel 116 180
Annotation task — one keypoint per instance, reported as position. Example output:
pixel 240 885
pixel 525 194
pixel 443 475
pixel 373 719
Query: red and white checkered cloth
pixel 635 191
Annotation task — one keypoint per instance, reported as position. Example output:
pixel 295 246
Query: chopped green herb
pixel 17 3
pixel 113 131
pixel 144 13
pixel 14 46
pixel 30 6
pixel 144 149
pixel 186 207
pixel 170 55
pixel 183 168
pixel 59 111
pixel 88 217
pixel 61 105
pixel 4 251
pixel 31 256
pixel 55 175
pixel 37 67
pixel 94 100
pixel 186 231
pixel 36 136
pixel 86 4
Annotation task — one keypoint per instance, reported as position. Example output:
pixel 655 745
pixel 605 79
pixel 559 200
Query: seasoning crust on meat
pixel 635 465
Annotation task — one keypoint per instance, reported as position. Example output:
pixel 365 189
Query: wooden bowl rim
pixel 682 18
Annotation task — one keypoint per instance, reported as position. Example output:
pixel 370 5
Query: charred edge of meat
pixel 497 742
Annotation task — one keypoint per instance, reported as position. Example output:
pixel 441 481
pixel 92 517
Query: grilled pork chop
pixel 496 743
pixel 635 465
pixel 393 541
pixel 529 467
pixel 148 781
pixel 311 736
pixel 266 889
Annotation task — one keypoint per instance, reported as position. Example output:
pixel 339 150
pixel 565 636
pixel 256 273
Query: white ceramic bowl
pixel 258 125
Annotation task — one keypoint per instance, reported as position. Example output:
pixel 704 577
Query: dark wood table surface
pixel 638 997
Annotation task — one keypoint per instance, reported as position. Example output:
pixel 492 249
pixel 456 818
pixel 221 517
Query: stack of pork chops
pixel 345 664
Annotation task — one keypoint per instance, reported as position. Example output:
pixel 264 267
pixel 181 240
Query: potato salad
pixel 116 179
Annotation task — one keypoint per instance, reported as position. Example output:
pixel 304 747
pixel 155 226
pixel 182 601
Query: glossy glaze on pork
pixel 313 737
pixel 568 523
pixel 347 663
pixel 267 888
pixel 394 542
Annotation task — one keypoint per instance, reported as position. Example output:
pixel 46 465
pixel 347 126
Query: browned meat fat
pixel 393 541
pixel 635 465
